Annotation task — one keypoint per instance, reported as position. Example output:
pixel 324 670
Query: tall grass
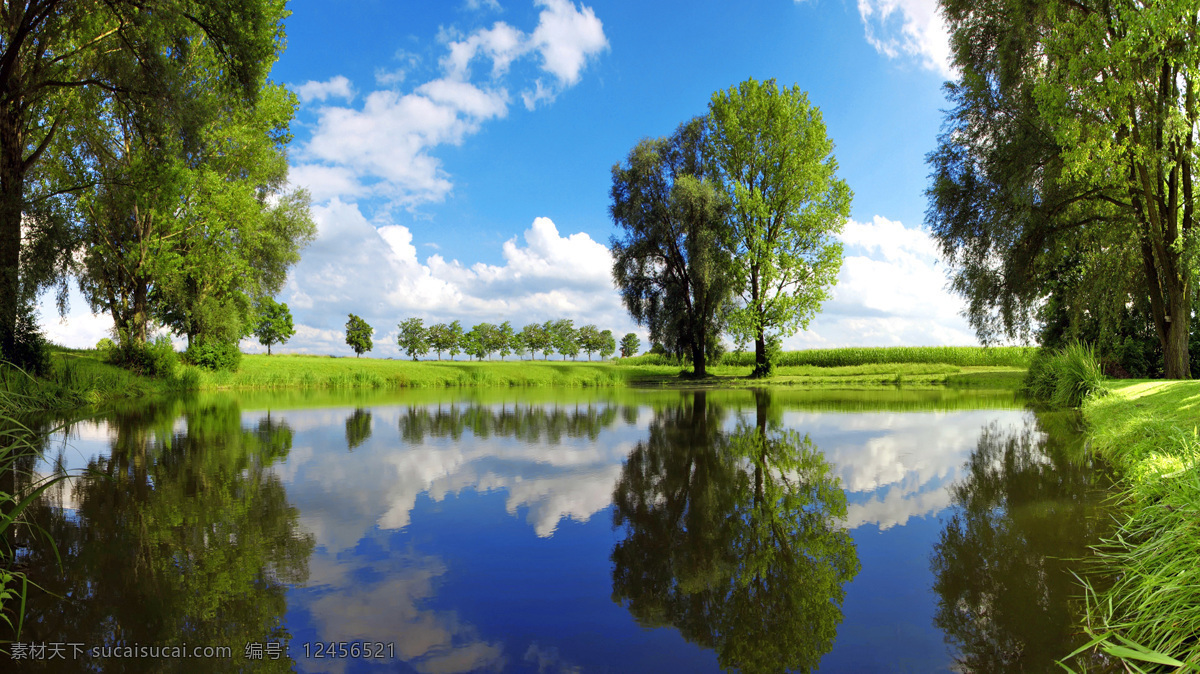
pixel 963 356
pixel 1065 378
pixel 17 443
pixel 1151 611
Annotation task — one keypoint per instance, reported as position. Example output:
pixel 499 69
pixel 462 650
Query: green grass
pixel 81 376
pixel 1150 611
pixel 964 356
pixel 296 371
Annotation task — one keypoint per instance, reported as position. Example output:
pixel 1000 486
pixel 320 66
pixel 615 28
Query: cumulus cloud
pixel 313 91
pixel 386 147
pixel 911 28
pixel 891 291
pixel 375 271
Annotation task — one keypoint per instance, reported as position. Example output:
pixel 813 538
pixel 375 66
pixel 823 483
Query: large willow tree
pixel 1064 175
pixel 54 56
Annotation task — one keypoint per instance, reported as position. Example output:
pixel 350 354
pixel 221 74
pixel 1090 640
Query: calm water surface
pixel 567 531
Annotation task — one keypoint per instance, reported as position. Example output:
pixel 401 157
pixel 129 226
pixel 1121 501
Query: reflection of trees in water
pixel 176 537
pixel 358 428
pixel 533 424
pixel 735 539
pixel 1002 566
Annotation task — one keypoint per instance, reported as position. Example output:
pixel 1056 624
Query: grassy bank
pixel 1004 369
pixel 82 376
pixel 1148 431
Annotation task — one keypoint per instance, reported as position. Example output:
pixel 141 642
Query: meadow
pixel 1150 613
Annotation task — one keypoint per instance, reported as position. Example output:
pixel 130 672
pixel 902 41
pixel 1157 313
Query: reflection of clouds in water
pixel 896 507
pixel 548 660
pixel 572 479
pixel 388 610
pixel 915 456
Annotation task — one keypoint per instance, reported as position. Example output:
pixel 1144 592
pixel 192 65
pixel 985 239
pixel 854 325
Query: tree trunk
pixel 1176 359
pixel 268 349
pixel 12 200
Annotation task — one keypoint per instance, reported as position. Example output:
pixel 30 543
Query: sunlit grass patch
pixel 1151 608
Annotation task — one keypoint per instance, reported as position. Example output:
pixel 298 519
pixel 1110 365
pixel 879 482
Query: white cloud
pixel 386 147
pixel 335 87
pixel 565 38
pixel 375 272
pixel 891 291
pixel 912 28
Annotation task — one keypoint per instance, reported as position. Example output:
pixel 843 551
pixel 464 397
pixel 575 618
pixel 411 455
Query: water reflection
pixel 528 423
pixel 736 539
pixel 358 428
pixel 1025 509
pixel 181 535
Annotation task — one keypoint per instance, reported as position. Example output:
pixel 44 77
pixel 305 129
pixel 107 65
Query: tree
pixel 669 263
pixel 546 339
pixel 565 338
pixel 274 323
pixel 630 344
pixel 56 56
pixel 506 340
pixel 413 338
pixel 437 338
pixel 454 339
pixel 608 344
pixel 771 155
pixel 478 341
pixel 1068 154
pixel 589 339
pixel 537 338
pixel 358 335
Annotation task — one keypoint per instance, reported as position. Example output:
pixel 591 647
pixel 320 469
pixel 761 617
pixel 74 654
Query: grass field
pixel 82 376
pixel 1148 431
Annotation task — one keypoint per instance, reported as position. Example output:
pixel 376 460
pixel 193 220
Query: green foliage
pixel 775 162
pixel 565 337
pixel 413 339
pixel 536 337
pixel 589 339
pixel 27 348
pixel 1065 171
pixel 454 338
pixel 505 340
pixel 156 358
pixel 214 354
pixel 673 272
pixel 274 324
pixel 630 344
pixel 607 344
pixel 83 65
pixel 358 335
pixel 1066 377
pixel 105 345
pixel 442 338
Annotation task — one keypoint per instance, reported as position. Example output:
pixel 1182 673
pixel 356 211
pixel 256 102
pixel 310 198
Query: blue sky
pixel 459 154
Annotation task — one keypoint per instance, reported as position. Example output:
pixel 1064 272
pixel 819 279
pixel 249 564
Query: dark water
pixel 564 531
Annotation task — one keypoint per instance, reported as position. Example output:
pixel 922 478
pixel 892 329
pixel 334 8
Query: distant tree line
pixel 486 339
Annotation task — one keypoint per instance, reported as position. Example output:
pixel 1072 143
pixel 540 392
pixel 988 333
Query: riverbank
pixel 1148 431
pixel 82 377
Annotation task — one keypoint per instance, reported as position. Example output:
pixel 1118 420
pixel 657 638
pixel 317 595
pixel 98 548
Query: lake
pixel 562 531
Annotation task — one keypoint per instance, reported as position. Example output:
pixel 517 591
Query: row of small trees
pixel 485 339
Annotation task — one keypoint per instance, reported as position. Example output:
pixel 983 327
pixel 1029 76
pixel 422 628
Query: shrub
pixel 105 345
pixel 213 354
pixel 1064 378
pixel 29 350
pixel 156 358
